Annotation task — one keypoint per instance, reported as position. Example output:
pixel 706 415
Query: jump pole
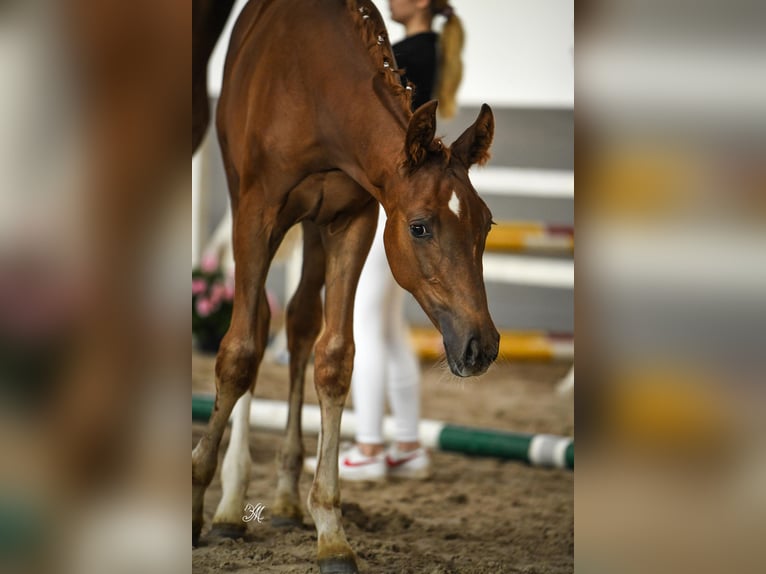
pixel 535 449
pixel 515 236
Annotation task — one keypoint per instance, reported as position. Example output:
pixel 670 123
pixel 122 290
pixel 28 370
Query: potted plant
pixel 212 305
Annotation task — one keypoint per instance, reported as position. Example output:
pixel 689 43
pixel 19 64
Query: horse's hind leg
pixel 243 346
pixel 346 250
pixel 304 321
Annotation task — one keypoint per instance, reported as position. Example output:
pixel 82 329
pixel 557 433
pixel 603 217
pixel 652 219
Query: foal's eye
pixel 419 230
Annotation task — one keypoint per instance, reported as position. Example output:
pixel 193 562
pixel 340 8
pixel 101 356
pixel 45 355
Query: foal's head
pixel 435 235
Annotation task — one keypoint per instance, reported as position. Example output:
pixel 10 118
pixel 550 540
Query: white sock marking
pixel 235 471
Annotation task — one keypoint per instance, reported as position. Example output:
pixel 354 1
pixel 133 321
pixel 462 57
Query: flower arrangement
pixel 212 304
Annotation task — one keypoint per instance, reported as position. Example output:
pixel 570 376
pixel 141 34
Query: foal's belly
pixel 322 197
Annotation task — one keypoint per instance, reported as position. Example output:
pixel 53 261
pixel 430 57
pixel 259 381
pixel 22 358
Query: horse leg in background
pixel 278 349
pixel 235 473
pixel 566 385
pixel 304 321
pixel 346 250
pixel 242 348
pixel 219 247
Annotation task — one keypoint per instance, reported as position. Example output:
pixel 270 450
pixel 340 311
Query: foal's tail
pixel 208 20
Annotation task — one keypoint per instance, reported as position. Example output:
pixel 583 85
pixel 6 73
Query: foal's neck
pixel 377 147
pixel 371 115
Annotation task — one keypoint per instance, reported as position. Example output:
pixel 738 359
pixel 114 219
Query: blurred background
pixel 671 284
pixel 94 210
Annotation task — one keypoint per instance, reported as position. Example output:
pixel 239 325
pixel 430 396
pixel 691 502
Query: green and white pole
pixel 535 449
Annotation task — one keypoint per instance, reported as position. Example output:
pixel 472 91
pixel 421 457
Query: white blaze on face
pixel 454 204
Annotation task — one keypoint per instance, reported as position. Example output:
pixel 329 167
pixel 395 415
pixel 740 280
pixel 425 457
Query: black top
pixel 417 56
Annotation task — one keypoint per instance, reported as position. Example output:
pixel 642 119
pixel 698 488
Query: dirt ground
pixel 475 515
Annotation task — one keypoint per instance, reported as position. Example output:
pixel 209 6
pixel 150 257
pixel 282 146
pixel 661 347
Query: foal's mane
pixel 372 30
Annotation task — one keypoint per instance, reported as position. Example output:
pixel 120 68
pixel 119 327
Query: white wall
pixel 519 53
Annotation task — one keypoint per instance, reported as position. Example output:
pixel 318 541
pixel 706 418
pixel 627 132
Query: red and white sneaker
pixel 410 464
pixel 354 465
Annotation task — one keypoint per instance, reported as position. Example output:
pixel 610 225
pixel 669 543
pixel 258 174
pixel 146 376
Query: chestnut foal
pixel 315 128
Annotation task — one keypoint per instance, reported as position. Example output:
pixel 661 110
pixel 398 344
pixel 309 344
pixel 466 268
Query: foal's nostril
pixel 472 353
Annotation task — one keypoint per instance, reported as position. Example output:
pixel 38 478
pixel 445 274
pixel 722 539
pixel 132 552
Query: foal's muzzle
pixel 471 355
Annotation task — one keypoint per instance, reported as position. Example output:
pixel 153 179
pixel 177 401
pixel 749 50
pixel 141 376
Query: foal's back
pixel 292 74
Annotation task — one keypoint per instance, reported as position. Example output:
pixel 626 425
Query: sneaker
pixel 353 465
pixel 411 464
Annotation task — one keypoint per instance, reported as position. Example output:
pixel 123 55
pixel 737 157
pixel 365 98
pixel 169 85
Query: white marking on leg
pixel 235 471
pixel 454 204
pixel 327 520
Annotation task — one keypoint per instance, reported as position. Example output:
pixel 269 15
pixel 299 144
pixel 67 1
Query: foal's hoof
pixel 338 565
pixel 196 529
pixel 286 522
pixel 228 530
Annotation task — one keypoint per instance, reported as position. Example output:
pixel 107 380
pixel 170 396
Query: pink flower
pixel 209 263
pixel 217 293
pixel 229 291
pixel 198 286
pixel 204 307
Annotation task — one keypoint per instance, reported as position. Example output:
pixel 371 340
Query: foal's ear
pixel 473 145
pixel 420 134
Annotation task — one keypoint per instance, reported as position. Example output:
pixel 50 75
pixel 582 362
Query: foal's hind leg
pixel 304 321
pixel 242 347
pixel 346 251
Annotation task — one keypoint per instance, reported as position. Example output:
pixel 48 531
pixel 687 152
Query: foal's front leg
pixel 346 252
pixel 241 350
pixel 235 473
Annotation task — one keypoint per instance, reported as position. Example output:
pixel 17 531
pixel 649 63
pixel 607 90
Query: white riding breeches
pixel 385 362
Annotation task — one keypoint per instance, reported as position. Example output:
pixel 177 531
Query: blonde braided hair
pixel 450 72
